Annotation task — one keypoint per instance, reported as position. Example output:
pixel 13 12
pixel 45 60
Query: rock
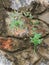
pixel 45 17
pixel 44 52
pixel 46 41
pixel 20 32
pixel 2 28
pixel 42 62
pixel 27 31
pixel 27 57
pixel 4 60
pixel 43 2
pixel 42 28
pixel 3 15
pixel 16 4
pixel 12 44
pixel 30 5
pixel 5 3
pixel 36 8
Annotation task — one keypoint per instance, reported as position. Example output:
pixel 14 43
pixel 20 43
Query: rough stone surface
pixel 19 51
pixel 45 17
pixel 20 3
pixel 43 62
pixel 27 57
pixel 33 9
pixel 44 52
pixel 22 33
pixel 46 41
pixel 3 15
pixel 5 3
pixel 38 8
pixel 11 44
pixel 4 60
pixel 44 2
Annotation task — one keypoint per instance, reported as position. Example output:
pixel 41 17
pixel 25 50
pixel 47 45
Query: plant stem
pixel 34 48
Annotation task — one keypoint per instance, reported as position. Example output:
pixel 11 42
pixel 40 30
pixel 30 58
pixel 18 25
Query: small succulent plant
pixel 16 23
pixel 16 20
pixel 36 40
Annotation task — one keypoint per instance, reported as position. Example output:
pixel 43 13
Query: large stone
pixel 45 17
pixel 28 25
pixel 16 4
pixel 12 44
pixel 36 6
pixel 27 57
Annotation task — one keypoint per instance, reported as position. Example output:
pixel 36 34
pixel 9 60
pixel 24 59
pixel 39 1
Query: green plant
pixel 16 23
pixel 36 40
pixel 15 14
pixel 16 20
pixel 34 29
pixel 28 14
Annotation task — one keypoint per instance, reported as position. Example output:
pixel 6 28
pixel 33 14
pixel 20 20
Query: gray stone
pixel 4 60
pixel 16 4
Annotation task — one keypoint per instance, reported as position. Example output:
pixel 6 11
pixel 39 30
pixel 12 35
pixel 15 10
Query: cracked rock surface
pixel 15 46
